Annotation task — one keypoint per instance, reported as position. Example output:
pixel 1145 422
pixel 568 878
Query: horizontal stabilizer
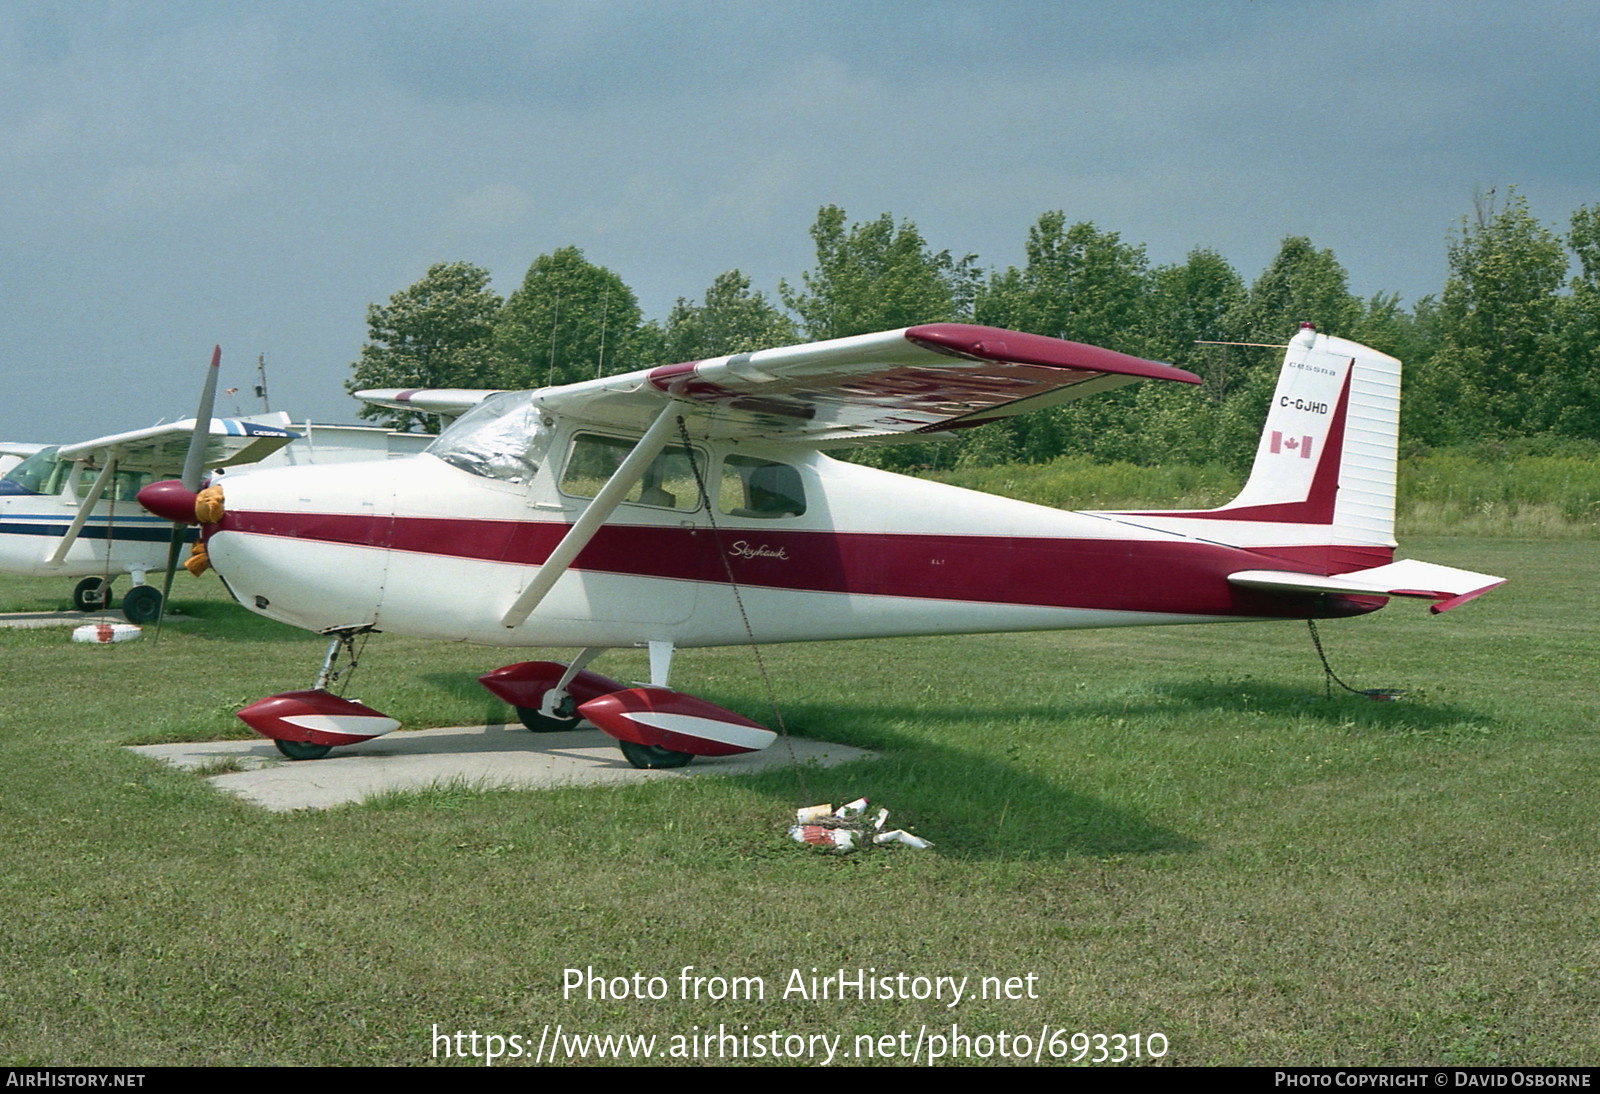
pixel 1445 585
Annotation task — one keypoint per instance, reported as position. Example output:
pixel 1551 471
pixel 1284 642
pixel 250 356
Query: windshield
pixel 504 437
pixel 46 473
pixel 38 474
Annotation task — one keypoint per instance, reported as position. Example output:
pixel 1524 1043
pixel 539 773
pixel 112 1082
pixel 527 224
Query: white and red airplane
pixel 693 505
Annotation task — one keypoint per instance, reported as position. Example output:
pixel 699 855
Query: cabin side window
pixel 668 483
pixel 764 489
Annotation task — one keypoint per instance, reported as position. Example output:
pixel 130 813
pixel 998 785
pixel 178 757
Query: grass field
pixel 1170 829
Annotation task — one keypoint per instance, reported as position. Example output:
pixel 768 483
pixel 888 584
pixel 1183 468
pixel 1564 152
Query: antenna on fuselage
pixel 555 324
pixel 605 307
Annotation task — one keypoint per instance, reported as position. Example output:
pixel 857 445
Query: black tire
pixel 303 750
pixel 91 594
pixel 653 757
pixel 142 604
pixel 542 723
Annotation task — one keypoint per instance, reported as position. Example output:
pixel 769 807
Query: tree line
pixel 1508 350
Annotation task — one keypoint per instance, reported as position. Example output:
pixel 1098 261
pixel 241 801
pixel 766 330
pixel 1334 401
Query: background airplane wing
pixel 451 402
pixel 20 450
pixel 903 384
pixel 160 449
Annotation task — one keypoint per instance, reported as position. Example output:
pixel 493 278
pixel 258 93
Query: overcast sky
pixel 176 174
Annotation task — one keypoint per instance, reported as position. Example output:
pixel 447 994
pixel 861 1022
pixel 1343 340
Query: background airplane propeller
pixel 193 466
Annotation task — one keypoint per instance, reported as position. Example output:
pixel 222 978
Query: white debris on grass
pixel 847 828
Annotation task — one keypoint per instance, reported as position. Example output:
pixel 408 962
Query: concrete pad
pixel 72 619
pixel 478 756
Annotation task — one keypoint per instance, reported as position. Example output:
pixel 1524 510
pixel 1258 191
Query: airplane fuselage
pixel 418 546
pixel 119 537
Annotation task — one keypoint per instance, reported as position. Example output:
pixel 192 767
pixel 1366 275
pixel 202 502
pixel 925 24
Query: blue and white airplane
pixel 69 510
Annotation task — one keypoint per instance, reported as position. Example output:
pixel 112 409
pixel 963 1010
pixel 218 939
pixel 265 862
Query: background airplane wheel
pixel 301 750
pixel 652 757
pixel 91 594
pixel 142 604
pixel 543 723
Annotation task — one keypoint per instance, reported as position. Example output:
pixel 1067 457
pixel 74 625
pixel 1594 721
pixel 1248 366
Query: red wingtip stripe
pixel 1457 601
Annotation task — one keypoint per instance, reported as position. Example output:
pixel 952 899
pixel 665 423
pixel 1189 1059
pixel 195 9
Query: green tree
pixel 1085 285
pixel 570 320
pixel 436 333
pixel 1190 309
pixel 1572 396
pixel 876 276
pixel 1080 283
pixel 1301 285
pixel 732 319
pixel 1499 317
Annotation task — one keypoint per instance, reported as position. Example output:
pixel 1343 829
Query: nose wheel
pixel 652 757
pixel 302 750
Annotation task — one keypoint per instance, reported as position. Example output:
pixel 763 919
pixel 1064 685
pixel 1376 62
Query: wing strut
pixel 88 504
pixel 630 471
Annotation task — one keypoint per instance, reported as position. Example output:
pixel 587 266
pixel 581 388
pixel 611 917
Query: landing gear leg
pixel 344 639
pixel 327 676
pixel 557 711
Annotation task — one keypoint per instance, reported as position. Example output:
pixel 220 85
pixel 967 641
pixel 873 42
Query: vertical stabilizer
pixel 1324 472
pixel 1329 450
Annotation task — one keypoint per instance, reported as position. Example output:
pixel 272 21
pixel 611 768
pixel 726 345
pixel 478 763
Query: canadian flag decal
pixel 1302 445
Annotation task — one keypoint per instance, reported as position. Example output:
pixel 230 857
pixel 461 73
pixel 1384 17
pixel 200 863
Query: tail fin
pixel 1328 453
pixel 1324 472
pixel 1321 491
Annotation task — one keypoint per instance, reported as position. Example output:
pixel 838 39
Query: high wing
pixel 21 451
pixel 895 385
pixel 160 449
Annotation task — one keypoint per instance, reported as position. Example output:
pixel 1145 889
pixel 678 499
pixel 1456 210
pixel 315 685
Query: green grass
pixel 1457 492
pixel 1170 827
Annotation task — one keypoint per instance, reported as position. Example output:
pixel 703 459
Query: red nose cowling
pixel 169 499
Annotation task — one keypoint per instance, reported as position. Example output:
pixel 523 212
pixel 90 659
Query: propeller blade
pixel 173 548
pixel 194 465
pixel 194 461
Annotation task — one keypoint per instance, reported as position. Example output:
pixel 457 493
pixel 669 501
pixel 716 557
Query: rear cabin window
pixel 753 487
pixel 668 483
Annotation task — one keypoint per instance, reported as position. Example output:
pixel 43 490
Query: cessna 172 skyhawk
pixel 692 505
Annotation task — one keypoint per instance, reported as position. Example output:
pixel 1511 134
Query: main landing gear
pixel 655 726
pixel 91 594
pixel 140 604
